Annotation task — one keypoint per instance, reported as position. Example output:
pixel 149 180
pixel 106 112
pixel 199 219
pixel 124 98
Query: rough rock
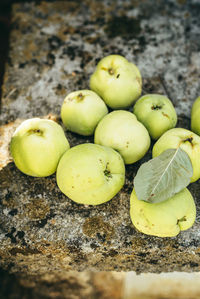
pixel 54 48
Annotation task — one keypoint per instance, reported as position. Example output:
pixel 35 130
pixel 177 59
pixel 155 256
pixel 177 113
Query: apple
pixel 164 219
pixel 121 131
pixel 37 146
pixel 90 174
pixel 117 81
pixel 157 114
pixel 82 110
pixel 195 116
pixel 187 140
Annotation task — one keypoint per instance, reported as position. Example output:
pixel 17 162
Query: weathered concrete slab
pixel 54 48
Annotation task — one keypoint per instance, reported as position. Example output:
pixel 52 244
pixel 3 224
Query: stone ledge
pixel 53 50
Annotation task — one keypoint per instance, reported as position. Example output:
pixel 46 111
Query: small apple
pixel 82 110
pixel 157 114
pixel 90 174
pixel 121 131
pixel 117 81
pixel 37 145
pixel 164 219
pixel 195 116
pixel 187 140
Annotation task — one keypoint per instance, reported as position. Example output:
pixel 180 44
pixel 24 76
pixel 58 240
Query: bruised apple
pixel 90 174
pixel 164 219
pixel 121 131
pixel 82 110
pixel 37 146
pixel 157 114
pixel 117 81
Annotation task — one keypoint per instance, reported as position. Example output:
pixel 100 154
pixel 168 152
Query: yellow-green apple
pixel 164 219
pixel 82 110
pixel 195 116
pixel 90 174
pixel 187 140
pixel 121 131
pixel 37 146
pixel 157 114
pixel 117 81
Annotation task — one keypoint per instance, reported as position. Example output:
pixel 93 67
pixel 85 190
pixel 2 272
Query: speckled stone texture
pixel 54 48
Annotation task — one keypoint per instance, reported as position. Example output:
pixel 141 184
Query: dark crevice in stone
pixel 13 212
pixel 20 234
pixel 122 26
pixel 50 59
pixel 193 264
pixel 10 235
pixel 24 251
pixel 153 262
pixel 71 51
pixel 142 254
pixel 42 222
pixel 94 245
pixel 22 65
pixel 55 42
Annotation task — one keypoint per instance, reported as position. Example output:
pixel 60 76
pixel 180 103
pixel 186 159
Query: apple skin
pixel 90 174
pixel 82 110
pixel 187 140
pixel 121 131
pixel 164 219
pixel 195 116
pixel 37 146
pixel 156 112
pixel 117 81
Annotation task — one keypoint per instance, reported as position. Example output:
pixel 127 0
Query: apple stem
pixel 182 219
pixel 35 131
pixel 190 139
pixel 80 97
pixel 156 107
pixel 111 71
pixel 107 173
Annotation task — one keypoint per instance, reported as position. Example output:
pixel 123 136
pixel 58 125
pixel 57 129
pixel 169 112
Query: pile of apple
pixel 93 174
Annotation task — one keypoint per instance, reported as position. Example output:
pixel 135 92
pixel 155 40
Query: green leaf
pixel 162 177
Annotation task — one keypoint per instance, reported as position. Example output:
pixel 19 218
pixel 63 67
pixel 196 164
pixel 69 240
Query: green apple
pixel 90 174
pixel 195 116
pixel 187 140
pixel 121 131
pixel 82 110
pixel 117 81
pixel 164 219
pixel 37 146
pixel 157 114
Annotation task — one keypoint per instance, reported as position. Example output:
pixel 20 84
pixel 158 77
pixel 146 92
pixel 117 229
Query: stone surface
pixel 42 230
pixel 54 48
